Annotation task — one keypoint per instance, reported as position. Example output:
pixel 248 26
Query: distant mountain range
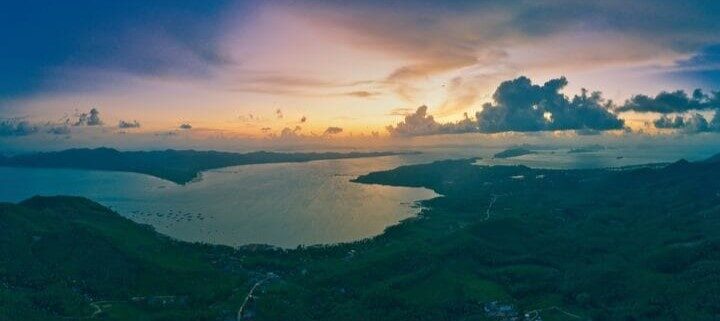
pixel 179 166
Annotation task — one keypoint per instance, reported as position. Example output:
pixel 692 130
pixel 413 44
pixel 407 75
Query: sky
pixel 256 73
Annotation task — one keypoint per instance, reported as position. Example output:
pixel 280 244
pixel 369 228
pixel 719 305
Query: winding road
pixel 249 295
pixel 492 202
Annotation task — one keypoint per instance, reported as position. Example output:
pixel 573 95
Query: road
pixel 98 309
pixel 534 314
pixel 249 295
pixel 492 202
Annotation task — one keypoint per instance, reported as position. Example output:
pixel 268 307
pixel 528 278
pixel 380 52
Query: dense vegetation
pixel 513 152
pixel 179 166
pixel 587 149
pixel 69 258
pixel 637 243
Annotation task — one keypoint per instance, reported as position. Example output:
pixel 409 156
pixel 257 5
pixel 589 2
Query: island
pixel 178 166
pixel 634 243
pixel 514 152
pixel 587 149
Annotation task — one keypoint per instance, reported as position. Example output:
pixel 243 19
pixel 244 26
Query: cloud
pixel 288 81
pixel 332 130
pixel 403 111
pixel 667 122
pixel 695 123
pixel 362 94
pixel 416 124
pixel 265 129
pixel 287 133
pixel 521 106
pixel 672 102
pixel 153 39
pixel 58 130
pixel 280 84
pixel 166 134
pixel 185 126
pixel 17 127
pixel 420 123
pixel 703 66
pixel 91 118
pixel 461 94
pixel 279 114
pixel 587 132
pixel 426 38
pixel 435 38
pixel 128 124
pixel 249 118
pixel 303 119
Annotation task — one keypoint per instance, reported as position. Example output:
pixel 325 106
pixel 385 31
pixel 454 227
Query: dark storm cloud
pixel 668 122
pixel 333 130
pixel 672 102
pixel 695 123
pixel 128 124
pixel 521 106
pixel 524 107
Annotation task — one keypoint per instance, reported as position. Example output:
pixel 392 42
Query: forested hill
pixel 179 166
pixel 638 243
pixel 68 258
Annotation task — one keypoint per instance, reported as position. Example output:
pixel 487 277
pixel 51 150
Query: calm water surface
pixel 287 204
pixel 279 204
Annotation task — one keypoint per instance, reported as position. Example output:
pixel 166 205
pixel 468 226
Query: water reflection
pixel 280 204
pixel 288 204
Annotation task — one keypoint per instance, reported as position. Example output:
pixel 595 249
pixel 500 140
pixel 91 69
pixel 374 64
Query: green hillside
pixel 59 255
pixel 637 243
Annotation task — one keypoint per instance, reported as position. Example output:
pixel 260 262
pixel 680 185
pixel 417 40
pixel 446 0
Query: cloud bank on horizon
pixel 356 67
pixel 520 106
